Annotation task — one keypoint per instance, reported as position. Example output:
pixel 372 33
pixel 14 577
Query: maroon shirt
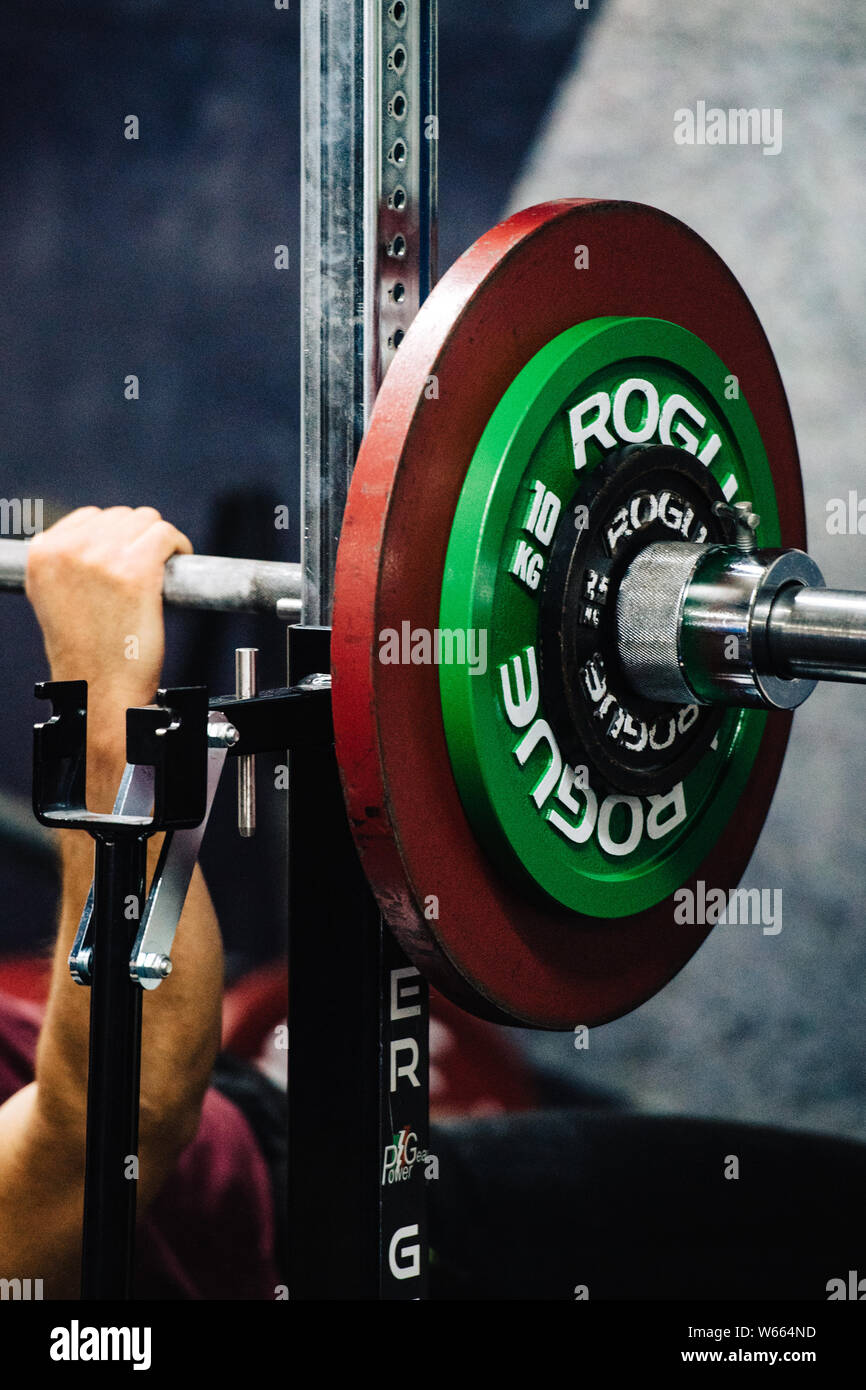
pixel 210 1232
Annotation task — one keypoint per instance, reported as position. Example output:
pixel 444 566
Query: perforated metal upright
pixel 358 1067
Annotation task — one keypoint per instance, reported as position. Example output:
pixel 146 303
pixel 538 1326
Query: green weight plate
pixel 557 823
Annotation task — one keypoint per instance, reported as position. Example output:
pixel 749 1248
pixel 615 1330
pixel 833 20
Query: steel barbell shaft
pixel 819 633
pixel 211 582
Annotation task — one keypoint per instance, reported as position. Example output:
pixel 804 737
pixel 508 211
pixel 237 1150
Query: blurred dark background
pixel 155 257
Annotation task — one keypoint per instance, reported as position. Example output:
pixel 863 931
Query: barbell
pixel 209 582
pixel 572 611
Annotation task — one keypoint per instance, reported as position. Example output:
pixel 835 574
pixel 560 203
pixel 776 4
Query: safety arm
pixel 42 1127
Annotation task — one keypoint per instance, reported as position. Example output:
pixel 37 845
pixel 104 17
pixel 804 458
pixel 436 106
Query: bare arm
pixel 95 581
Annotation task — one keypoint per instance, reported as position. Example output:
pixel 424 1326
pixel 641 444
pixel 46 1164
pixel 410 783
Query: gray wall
pixel 757 1026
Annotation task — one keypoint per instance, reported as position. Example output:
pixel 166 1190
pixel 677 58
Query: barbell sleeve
pixel 213 582
pixel 722 625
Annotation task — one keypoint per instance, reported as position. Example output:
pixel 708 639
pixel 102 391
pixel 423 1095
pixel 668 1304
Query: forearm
pixel 95 582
